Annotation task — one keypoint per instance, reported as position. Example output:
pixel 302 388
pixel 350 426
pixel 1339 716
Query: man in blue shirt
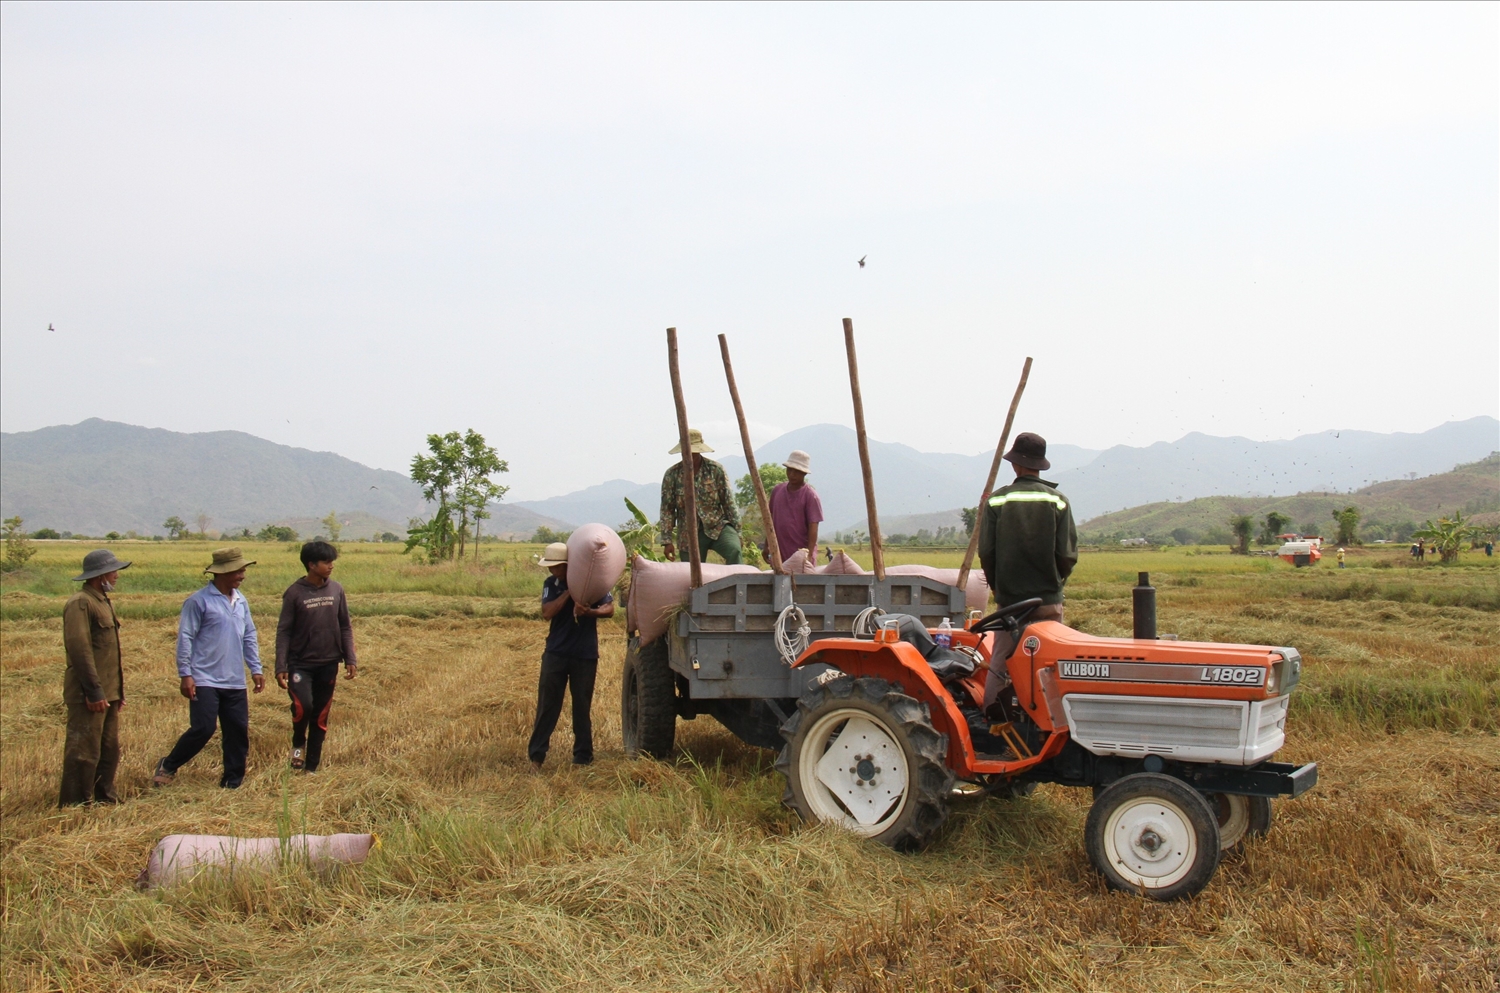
pixel 216 639
pixel 569 662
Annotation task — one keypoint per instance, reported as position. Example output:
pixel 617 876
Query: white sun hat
pixel 556 554
pixel 799 460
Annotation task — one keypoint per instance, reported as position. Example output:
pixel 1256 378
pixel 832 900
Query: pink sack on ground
pixel 180 857
pixel 976 594
pixel 596 560
pixel 658 588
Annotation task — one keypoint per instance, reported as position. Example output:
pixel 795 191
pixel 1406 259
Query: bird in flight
pixel 862 261
pixel 374 488
pixel 51 328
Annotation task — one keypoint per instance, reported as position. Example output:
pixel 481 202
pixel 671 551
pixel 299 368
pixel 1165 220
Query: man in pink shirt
pixel 796 509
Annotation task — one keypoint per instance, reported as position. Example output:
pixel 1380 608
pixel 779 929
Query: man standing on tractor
pixel 718 523
pixel 1027 542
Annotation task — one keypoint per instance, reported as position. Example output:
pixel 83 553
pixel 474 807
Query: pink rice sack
pixel 180 857
pixel 976 593
pixel 842 565
pixel 596 560
pixel 658 588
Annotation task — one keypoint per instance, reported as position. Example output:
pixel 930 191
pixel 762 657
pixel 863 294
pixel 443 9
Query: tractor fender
pixel 902 664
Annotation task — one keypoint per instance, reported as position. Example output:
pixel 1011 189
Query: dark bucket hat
pixel 1029 450
pixel 100 562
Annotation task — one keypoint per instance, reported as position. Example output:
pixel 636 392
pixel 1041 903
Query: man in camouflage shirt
pixel 718 522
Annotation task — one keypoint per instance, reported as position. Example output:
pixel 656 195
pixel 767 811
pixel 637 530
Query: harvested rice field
pixel 689 874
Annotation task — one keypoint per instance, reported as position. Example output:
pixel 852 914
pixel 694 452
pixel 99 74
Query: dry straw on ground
pixel 688 875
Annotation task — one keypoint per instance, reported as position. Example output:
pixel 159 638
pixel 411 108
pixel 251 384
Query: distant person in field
pixel 313 637
pixel 1489 548
pixel 93 684
pixel 718 522
pixel 796 510
pixel 569 662
pixel 1341 557
pixel 216 642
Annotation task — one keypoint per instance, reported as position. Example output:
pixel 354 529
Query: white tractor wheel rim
pixel 1233 813
pixel 853 772
pixel 1150 841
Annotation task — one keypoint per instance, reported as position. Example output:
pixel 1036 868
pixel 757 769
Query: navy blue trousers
pixel 229 710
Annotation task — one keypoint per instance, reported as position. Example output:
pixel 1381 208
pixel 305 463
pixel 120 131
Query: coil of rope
pixel 794 641
pixel 864 622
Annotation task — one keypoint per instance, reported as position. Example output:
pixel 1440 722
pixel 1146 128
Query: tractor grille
pixel 1271 721
pixel 1115 725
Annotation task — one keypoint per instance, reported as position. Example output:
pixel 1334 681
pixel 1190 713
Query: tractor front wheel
pixel 863 755
pixel 648 700
pixel 1154 835
pixel 1240 817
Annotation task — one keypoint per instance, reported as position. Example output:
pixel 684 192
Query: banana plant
pixel 639 536
pixel 1447 536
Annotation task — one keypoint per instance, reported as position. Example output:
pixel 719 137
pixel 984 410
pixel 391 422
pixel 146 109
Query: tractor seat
pixel 946 664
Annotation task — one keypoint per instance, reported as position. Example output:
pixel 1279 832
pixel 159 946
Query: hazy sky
pixel 344 226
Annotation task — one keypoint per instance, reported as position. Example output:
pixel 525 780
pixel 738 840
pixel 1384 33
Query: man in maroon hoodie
pixel 312 637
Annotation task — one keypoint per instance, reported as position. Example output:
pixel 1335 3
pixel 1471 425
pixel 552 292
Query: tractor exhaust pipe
pixel 1144 597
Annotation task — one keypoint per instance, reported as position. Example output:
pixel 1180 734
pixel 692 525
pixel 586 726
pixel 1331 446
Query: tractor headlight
pixel 1273 678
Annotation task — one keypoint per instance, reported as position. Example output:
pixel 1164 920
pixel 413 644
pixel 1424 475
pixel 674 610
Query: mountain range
pixel 909 483
pixel 100 476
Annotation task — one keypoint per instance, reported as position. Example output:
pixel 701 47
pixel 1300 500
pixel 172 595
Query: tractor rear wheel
pixel 1240 817
pixel 863 755
pixel 648 700
pixel 1154 835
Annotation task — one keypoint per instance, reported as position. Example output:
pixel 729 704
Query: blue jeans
pixel 230 711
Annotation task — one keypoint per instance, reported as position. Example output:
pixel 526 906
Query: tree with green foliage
pixel 971 518
pixel 1348 523
pixel 437 473
pixel 1243 527
pixel 546 536
pixel 334 526
pixel 639 535
pixel 43 534
pixel 475 489
pixel 1273 527
pixel 18 550
pixel 770 474
pixel 1447 536
pixel 176 527
pixel 276 532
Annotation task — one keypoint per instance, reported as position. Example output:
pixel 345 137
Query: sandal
pixel 297 758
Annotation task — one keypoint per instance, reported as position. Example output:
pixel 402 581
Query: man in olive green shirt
pixel 718 522
pixel 93 684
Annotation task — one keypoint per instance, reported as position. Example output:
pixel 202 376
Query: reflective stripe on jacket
pixel 1028 544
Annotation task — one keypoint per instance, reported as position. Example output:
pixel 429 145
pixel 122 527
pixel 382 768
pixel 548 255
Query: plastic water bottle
pixel 944 636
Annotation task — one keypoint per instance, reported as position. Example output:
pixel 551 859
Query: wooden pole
pixel 772 548
pixel 989 484
pixel 876 552
pixel 689 496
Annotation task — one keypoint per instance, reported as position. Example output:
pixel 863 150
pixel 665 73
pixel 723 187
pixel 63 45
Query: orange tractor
pixel 881 727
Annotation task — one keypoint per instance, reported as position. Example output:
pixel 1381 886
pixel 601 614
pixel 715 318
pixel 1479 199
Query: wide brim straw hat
pixel 555 554
pixel 695 442
pixel 227 560
pixel 100 562
pixel 799 460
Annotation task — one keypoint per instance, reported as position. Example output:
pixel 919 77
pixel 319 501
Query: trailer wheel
pixel 863 755
pixel 1154 835
pixel 648 700
pixel 1240 817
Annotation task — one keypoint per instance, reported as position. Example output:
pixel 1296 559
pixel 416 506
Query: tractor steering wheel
pixel 1007 618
